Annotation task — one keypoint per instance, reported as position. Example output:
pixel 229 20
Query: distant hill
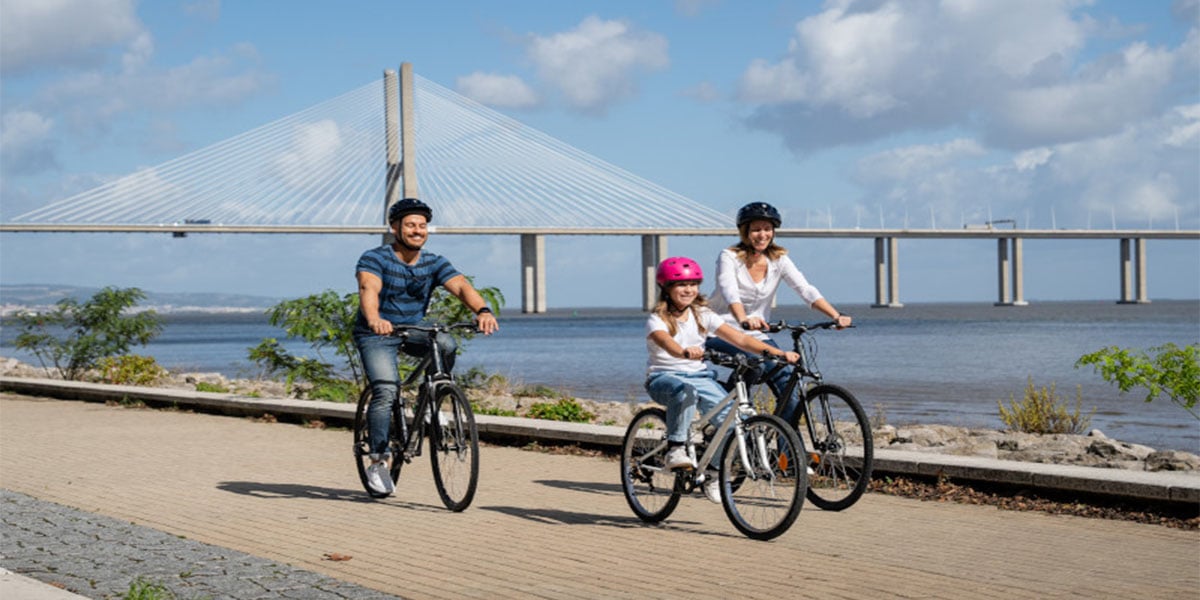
pixel 43 295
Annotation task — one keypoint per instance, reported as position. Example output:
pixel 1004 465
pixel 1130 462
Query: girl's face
pixel 760 234
pixel 683 293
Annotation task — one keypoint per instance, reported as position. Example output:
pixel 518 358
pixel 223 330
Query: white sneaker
pixel 677 458
pixel 712 487
pixel 379 478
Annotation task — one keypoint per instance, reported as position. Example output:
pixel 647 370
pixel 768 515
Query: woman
pixel 676 376
pixel 748 276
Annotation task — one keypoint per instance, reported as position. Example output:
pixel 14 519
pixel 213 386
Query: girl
pixel 676 377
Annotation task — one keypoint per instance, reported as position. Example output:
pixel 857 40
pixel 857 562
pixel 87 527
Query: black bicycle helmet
pixel 409 206
pixel 758 211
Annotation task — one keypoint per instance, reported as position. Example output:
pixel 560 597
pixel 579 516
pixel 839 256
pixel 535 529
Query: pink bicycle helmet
pixel 678 268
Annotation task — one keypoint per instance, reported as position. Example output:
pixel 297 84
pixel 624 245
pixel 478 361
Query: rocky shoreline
pixel 1093 449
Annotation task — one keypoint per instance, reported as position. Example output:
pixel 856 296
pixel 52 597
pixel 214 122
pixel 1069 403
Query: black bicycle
pixel 441 412
pixel 831 422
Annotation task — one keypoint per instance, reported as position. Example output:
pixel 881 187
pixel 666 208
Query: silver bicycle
pixel 762 471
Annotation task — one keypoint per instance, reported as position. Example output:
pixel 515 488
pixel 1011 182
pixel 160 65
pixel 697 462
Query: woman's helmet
pixel 758 211
pixel 409 206
pixel 678 268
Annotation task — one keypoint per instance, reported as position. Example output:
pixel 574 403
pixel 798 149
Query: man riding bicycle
pixel 395 285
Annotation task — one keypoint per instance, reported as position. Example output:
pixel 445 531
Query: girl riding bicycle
pixel 676 376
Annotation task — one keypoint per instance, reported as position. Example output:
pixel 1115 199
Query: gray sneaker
pixel 677 458
pixel 379 478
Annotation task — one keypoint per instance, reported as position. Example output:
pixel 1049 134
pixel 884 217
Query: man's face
pixel 413 230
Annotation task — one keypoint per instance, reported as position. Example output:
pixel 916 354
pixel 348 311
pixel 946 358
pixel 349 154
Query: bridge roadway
pixel 257 509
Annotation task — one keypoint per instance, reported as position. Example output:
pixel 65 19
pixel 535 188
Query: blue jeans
pixel 778 383
pixel 683 393
pixel 378 354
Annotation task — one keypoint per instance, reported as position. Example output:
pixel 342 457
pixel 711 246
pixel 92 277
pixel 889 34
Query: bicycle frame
pixel 433 378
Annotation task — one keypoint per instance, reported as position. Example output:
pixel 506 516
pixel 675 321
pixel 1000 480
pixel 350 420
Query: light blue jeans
pixel 683 393
pixel 378 354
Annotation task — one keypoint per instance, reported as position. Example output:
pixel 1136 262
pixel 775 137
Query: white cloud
pixel 594 65
pixel 63 32
pixel 1018 73
pixel 312 157
pixel 503 91
pixel 25 142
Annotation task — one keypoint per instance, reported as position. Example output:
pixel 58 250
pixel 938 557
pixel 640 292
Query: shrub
pixel 1042 411
pixel 130 369
pixel 204 386
pixel 1169 369
pixel 566 409
pixel 83 334
pixel 334 390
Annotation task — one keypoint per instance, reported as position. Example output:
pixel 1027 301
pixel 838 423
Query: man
pixel 395 284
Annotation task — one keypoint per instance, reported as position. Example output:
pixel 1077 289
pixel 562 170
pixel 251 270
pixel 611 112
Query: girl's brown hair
pixel 664 301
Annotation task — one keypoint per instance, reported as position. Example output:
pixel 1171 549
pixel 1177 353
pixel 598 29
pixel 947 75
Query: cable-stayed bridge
pixel 332 169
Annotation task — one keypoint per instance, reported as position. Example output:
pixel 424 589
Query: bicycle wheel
pixel 362 447
pixel 839 436
pixel 650 490
pixel 772 480
pixel 454 448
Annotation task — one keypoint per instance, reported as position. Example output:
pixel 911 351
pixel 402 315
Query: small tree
pixel 1166 369
pixel 74 337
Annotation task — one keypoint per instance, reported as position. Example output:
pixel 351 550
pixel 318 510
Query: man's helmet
pixel 758 211
pixel 409 206
pixel 679 268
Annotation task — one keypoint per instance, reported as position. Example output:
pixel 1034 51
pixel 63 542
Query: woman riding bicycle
pixel 395 284
pixel 676 377
pixel 748 276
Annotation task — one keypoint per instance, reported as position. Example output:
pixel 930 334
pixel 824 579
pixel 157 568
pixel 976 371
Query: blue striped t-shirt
pixel 407 289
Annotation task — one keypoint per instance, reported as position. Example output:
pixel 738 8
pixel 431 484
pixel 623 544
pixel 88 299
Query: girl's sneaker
pixel 677 458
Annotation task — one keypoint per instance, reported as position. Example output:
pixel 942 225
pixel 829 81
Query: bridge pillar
pixel 533 273
pixel 654 249
pixel 1133 272
pixel 887 266
pixel 1010 270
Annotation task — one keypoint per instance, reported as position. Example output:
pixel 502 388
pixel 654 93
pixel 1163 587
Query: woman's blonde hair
pixel 664 301
pixel 744 249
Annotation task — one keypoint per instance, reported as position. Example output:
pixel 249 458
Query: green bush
pixel 1042 411
pixel 204 386
pixel 74 337
pixel 334 390
pixel 130 369
pixel 566 409
pixel 1166 369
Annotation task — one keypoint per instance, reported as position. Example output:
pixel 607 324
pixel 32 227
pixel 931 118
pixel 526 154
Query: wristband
pixel 483 310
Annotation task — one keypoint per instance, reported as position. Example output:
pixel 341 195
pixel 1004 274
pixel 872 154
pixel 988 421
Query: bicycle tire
pixel 362 448
pixel 454 448
pixel 771 493
pixel 651 491
pixel 841 458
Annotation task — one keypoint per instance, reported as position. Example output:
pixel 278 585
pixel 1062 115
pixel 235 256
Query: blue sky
pixel 1054 113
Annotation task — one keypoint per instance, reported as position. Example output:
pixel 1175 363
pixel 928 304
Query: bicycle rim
pixel 650 490
pixel 841 447
pixel 771 474
pixel 454 449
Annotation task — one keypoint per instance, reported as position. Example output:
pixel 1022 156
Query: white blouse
pixel 734 284
pixel 686 335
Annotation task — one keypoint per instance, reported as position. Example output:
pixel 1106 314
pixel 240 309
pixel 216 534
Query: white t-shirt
pixel 686 335
pixel 734 284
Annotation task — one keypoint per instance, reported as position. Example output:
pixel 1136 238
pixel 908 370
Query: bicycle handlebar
pixel 780 325
pixel 435 328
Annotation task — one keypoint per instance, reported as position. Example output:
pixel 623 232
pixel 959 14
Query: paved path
pixel 543 525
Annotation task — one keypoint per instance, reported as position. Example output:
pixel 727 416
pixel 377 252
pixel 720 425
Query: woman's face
pixel 760 234
pixel 683 293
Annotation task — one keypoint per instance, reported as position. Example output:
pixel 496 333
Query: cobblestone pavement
pixel 542 525
pixel 99 557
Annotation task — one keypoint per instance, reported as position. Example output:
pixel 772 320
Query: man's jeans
pixel 379 354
